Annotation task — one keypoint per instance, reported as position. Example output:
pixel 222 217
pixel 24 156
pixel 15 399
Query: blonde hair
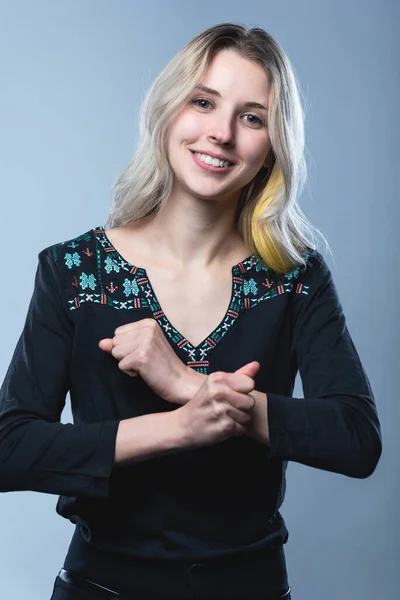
pixel 268 215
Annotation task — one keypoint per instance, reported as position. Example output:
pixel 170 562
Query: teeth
pixel 215 162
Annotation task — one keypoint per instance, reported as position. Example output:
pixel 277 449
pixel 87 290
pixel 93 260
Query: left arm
pixel 335 427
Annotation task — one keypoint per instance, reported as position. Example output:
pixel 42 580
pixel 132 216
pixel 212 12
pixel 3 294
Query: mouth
pixel 209 167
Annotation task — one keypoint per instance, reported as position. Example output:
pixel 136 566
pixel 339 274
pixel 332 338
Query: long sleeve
pixel 335 426
pixel 37 452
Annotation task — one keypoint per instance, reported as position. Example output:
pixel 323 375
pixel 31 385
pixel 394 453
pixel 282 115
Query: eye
pixel 260 122
pixel 257 121
pixel 200 100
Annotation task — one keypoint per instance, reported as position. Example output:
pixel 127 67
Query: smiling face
pixel 222 123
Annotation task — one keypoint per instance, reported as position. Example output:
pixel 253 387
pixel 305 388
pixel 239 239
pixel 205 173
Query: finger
pixel 240 382
pixel 241 402
pixel 122 329
pixel 127 337
pixel 121 337
pixel 148 322
pixel 106 344
pixel 240 416
pixel 250 369
pixel 127 370
pixel 250 404
pixel 124 351
pixel 128 364
pixel 131 373
pixel 253 397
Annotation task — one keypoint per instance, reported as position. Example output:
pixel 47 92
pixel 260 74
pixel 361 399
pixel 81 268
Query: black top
pixel 198 503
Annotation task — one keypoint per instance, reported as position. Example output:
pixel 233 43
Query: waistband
pixel 122 574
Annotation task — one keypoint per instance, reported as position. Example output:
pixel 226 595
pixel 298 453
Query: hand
pixel 142 349
pixel 220 409
pixel 195 379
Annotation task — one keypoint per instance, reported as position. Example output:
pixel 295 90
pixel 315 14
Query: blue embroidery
pixel 98 260
pixel 110 265
pixel 88 281
pixel 72 259
pixel 260 266
pixel 250 287
pixel 130 287
pixel 293 273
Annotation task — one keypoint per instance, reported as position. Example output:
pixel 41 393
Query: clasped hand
pixel 141 348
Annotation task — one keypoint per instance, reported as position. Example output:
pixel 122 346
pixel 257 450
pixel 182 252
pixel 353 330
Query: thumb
pixel 250 369
pixel 106 344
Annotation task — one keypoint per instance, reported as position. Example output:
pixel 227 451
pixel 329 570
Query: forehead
pixel 228 70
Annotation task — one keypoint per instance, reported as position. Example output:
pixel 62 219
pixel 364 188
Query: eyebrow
pixel 204 88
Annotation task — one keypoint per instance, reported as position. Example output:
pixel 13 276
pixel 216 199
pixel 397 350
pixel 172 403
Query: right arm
pixel 37 452
pixel 147 436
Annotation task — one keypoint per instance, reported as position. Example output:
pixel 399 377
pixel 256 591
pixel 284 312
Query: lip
pixel 214 155
pixel 210 168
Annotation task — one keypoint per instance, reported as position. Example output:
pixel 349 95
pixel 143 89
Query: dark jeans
pixel 260 575
pixel 74 591
pixel 196 581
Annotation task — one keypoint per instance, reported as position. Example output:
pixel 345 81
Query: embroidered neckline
pixel 101 235
pixel 92 262
pixel 236 303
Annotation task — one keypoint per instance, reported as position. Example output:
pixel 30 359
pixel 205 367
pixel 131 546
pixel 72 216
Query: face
pixel 222 123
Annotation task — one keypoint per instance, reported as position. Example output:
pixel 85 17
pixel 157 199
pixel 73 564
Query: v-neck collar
pixel 101 235
pixel 144 284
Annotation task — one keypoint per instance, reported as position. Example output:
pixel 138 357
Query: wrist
pixel 190 384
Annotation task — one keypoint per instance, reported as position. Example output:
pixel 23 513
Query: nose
pixel 221 137
pixel 222 132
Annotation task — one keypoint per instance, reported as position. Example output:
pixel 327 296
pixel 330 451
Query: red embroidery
pixel 112 288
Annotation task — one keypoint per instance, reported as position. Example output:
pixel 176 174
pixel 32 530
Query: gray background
pixel 73 74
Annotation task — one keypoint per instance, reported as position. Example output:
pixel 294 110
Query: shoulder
pixel 314 279
pixel 71 251
pixel 68 266
pixel 302 279
pixel 313 261
pixel 65 262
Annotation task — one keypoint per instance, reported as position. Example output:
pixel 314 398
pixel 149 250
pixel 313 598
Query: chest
pixel 196 304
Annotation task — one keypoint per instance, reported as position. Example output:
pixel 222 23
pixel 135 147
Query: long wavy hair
pixel 268 215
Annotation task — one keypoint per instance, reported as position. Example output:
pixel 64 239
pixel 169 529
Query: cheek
pixel 186 127
pixel 256 147
pixel 256 155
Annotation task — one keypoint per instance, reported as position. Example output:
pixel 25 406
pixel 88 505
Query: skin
pixel 142 348
pixel 195 229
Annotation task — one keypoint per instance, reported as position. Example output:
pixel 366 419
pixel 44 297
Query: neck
pixel 195 235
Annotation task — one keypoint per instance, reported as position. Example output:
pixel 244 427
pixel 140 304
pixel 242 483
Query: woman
pixel 179 331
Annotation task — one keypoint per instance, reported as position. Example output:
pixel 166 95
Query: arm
pixel 147 436
pixel 335 426
pixel 39 453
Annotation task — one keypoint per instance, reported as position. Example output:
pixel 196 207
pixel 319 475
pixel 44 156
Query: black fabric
pixel 217 501
pixel 256 576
